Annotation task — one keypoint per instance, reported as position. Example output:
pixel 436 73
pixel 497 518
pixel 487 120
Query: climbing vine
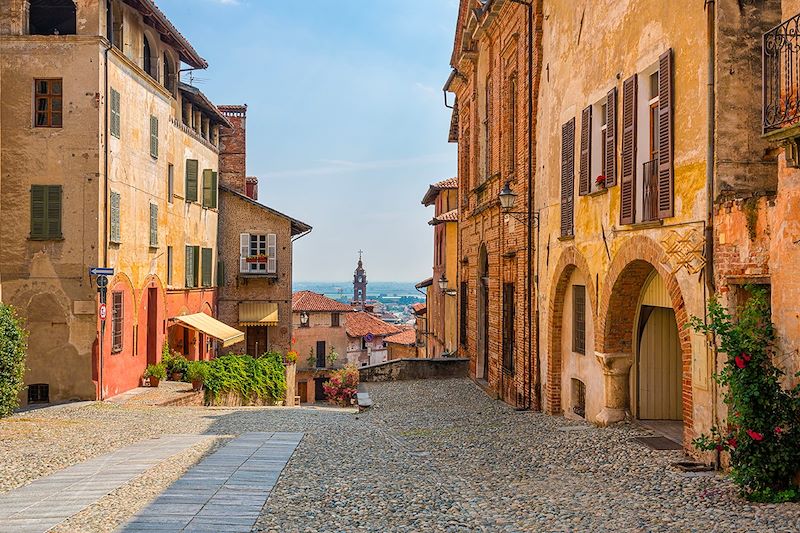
pixel 762 433
pixel 260 378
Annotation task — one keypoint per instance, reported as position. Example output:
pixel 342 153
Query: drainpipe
pixel 710 7
pixel 101 356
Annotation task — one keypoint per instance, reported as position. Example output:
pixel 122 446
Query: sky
pixel 346 123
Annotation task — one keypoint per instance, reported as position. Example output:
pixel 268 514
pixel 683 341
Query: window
pixel 258 253
pixel 335 320
pixel 148 64
pixel 207 268
pixel 487 130
pixel 45 212
pixel 512 123
pixel 191 180
pixel 579 319
pixel 170 183
pixel 117 320
pixel 169 74
pixel 52 17
pixel 153 226
pixel 116 232
pixel 39 393
pixel 568 178
pixel 153 137
pixel 209 188
pixel 466 165
pixel 578 397
pixel 509 317
pixel 220 273
pixel 598 147
pixel 169 265
pixel 48 103
pixel 192 266
pixel 463 312
pixel 116 117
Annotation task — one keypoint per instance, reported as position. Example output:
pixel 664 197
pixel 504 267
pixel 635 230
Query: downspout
pixel 101 355
pixel 710 7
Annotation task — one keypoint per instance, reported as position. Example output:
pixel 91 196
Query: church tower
pixel 360 283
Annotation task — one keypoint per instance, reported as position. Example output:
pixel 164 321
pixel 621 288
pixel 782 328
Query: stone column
pixel 616 369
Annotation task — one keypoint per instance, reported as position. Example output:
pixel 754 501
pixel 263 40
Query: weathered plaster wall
pixel 304 340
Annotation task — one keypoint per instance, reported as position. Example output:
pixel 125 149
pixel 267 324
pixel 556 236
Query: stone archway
pixel 482 349
pixel 619 303
pixel 569 261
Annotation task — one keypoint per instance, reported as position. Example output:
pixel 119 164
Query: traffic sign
pixel 102 281
pixel 103 311
pixel 101 271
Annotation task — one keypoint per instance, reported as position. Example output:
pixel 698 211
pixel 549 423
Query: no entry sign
pixel 103 311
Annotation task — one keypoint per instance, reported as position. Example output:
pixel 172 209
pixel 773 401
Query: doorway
pixel 256 340
pixel 482 362
pixel 319 390
pixel 152 325
pixel 659 369
pixel 302 391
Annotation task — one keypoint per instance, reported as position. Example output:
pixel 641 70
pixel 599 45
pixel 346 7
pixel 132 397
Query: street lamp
pixel 443 286
pixel 507 198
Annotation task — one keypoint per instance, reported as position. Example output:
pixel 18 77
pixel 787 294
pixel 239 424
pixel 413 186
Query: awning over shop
pixel 211 326
pixel 258 314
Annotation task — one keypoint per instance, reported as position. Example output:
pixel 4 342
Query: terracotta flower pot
pixel 154 381
pixel 197 385
pixel 177 376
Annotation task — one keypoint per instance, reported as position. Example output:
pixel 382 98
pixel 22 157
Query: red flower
pixel 755 435
pixel 719 447
pixel 741 363
pixel 732 442
pixel 778 430
pixel 745 357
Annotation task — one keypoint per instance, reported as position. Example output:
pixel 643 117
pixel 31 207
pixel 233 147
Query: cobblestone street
pixel 429 456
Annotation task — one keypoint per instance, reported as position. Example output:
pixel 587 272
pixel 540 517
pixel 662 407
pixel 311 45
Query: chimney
pixel 251 187
pixel 233 149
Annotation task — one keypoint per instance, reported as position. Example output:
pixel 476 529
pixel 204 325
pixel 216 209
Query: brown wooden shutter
pixel 627 207
pixel 586 151
pixel 665 167
pixel 610 140
pixel 567 178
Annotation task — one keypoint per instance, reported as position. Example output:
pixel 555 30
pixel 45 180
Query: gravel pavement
pixel 429 456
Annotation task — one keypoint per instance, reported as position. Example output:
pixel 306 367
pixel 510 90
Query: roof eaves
pixel 189 55
pixel 298 226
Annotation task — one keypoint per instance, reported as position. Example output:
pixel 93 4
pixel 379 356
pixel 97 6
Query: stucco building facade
pixel 107 160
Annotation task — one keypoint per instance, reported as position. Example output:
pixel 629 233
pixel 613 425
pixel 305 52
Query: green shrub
pixel 158 371
pixel 762 432
pixel 175 362
pixel 262 378
pixel 13 348
pixel 197 371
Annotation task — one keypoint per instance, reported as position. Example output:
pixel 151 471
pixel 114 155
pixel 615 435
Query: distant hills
pixel 375 289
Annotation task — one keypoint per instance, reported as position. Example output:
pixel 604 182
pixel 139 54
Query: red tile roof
pixel 433 190
pixel 419 308
pixel 450 216
pixel 361 324
pixel 312 301
pixel 407 337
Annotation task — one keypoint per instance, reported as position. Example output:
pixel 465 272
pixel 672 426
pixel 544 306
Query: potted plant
pixel 600 181
pixel 155 373
pixel 291 357
pixel 197 372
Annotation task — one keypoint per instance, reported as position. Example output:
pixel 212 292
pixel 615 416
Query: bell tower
pixel 360 283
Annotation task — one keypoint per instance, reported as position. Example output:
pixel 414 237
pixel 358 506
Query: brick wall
pixel 233 149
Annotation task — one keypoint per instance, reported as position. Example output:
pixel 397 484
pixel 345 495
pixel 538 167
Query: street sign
pixel 103 311
pixel 101 271
pixel 102 281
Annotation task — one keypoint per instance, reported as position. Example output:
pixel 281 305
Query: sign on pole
pixel 103 311
pixel 101 271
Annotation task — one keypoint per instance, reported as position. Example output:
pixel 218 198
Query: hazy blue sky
pixel 346 124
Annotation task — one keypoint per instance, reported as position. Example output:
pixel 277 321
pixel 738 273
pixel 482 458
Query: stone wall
pixel 408 369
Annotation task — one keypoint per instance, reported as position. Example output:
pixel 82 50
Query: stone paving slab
pixel 224 492
pixel 50 500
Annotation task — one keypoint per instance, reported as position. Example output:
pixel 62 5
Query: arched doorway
pixel 657 370
pixel 482 362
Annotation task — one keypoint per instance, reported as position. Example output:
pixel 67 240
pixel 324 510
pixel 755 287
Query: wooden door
pixel 659 369
pixel 152 326
pixel 319 391
pixel 302 391
pixel 321 354
pixel 256 340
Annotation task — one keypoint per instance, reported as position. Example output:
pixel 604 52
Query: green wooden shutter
pixel 207 257
pixel 38 210
pixel 153 136
pixel 191 180
pixel 207 187
pixel 189 267
pixel 214 190
pixel 153 226
pixel 54 211
pixel 116 233
pixel 115 114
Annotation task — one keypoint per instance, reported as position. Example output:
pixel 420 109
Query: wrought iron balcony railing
pixel 781 74
pixel 650 190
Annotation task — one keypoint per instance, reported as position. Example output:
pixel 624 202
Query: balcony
pixel 650 190
pixel 781 72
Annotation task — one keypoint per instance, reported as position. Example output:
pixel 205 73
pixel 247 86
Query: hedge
pixel 13 348
pixel 252 379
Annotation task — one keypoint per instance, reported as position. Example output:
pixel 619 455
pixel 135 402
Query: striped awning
pixel 258 314
pixel 211 326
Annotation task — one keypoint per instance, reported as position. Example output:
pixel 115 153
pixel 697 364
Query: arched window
pixel 149 65
pixel 169 74
pixel 52 17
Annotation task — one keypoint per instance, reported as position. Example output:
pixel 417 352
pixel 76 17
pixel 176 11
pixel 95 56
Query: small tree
pixel 763 426
pixel 333 356
pixel 13 348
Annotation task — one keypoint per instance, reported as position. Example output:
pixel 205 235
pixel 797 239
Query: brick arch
pixel 625 280
pixel 569 261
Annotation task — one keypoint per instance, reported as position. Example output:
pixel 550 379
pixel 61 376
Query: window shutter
pixel 586 151
pixel 610 141
pixel 214 190
pixel 206 269
pixel 153 226
pixel 189 266
pixel 54 211
pixel 627 192
pixel 170 182
pixel 567 177
pixel 153 136
pixel 191 180
pixel 38 209
pixel 244 251
pixel 116 233
pixel 207 187
pixel 665 167
pixel 115 114
pixel 272 253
